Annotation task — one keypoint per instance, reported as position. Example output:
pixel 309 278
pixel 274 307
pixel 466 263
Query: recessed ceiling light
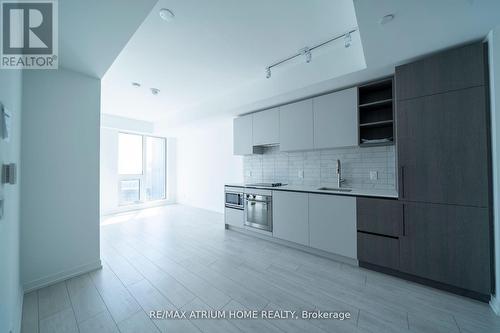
pixel 166 14
pixel 155 91
pixel 136 84
pixel 386 19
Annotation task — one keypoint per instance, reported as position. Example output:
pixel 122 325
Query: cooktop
pixel 266 184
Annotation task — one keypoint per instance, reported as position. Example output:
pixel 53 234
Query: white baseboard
pixel 495 304
pixel 61 276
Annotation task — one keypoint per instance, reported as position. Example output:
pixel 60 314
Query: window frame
pixel 141 177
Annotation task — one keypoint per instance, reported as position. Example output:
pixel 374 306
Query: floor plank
pixel 101 323
pixel 62 322
pixel 151 299
pixel 53 299
pixel 85 299
pixel 116 297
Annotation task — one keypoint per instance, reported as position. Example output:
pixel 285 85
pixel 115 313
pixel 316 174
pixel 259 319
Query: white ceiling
pixel 93 32
pixel 210 60
pixel 421 26
pixel 217 49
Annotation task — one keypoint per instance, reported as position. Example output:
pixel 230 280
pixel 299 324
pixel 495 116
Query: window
pixel 141 168
pixel 155 168
pixel 129 191
pixel 130 154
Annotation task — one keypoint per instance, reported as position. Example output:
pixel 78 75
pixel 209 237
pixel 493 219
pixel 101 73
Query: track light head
pixel 308 56
pixel 306 52
pixel 268 72
pixel 347 40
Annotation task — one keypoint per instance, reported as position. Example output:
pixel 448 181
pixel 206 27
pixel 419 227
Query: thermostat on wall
pixel 9 174
pixel 5 123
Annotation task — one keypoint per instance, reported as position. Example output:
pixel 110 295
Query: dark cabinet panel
pixel 378 250
pixel 454 69
pixel 448 244
pixel 443 148
pixel 380 216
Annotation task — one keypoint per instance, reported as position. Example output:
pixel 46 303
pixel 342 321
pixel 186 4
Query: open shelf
pixel 377 103
pixel 376 113
pixel 377 123
pixel 375 92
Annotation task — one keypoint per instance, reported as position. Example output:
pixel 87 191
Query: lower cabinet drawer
pixel 378 250
pixel 379 216
pixel 234 217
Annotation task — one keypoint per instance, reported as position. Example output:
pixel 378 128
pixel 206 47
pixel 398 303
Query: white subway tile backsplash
pixel 319 167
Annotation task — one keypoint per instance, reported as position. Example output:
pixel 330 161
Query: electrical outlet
pixel 373 175
pixel 249 173
pixel 300 174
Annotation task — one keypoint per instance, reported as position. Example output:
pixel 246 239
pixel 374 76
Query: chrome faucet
pixel 339 175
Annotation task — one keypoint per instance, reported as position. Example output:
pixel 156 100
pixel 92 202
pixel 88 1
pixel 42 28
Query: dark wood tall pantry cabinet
pixel 443 144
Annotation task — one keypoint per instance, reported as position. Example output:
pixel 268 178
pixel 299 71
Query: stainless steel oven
pixel 259 211
pixel 235 200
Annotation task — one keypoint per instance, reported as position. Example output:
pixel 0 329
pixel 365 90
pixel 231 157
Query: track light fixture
pixel 347 39
pixel 306 52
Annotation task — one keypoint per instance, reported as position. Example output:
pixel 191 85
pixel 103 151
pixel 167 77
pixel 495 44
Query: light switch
pixel 300 174
pixel 373 175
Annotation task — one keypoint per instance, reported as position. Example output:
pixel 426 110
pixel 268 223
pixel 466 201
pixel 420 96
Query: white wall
pixel 494 59
pixel 205 162
pixel 108 171
pixel 60 187
pixel 10 283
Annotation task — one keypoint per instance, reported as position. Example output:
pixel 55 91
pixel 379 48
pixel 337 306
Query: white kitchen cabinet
pixel 290 216
pixel 332 224
pixel 234 217
pixel 296 126
pixel 243 135
pixel 266 126
pixel 336 119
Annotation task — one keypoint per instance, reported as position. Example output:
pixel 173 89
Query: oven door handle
pixel 261 201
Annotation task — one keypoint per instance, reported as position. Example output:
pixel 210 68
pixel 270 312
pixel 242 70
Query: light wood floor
pixel 177 257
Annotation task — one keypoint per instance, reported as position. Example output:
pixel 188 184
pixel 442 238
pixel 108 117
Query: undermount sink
pixel 336 189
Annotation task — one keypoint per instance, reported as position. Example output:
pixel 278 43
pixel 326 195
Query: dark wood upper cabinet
pixel 443 148
pixel 454 69
pixel 448 244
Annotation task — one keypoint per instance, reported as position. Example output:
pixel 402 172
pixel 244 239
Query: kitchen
pixel 433 116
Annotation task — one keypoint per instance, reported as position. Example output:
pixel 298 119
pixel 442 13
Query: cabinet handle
pixel 402 173
pixel 404 221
